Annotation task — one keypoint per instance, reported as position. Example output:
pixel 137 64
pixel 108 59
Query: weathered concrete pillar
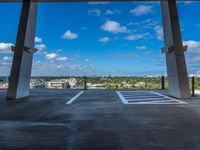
pixel 20 75
pixel 174 49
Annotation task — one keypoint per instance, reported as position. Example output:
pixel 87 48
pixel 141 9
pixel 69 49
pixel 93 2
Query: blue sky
pixel 118 38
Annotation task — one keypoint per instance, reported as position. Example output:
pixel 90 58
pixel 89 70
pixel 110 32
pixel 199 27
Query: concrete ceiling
pixel 7 1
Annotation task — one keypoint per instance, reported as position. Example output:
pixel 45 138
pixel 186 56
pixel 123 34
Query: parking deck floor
pixel 97 120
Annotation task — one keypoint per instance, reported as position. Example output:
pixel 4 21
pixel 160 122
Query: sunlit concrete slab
pixel 97 120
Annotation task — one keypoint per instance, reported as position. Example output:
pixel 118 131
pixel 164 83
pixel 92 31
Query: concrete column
pixel 174 50
pixel 20 75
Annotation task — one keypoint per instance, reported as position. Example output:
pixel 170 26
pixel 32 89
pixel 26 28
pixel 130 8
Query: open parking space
pixel 96 120
pixel 146 97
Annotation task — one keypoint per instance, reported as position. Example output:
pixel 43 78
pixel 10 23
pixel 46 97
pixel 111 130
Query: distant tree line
pixel 118 82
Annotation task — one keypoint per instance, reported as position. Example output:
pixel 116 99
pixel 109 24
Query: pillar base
pixel 177 76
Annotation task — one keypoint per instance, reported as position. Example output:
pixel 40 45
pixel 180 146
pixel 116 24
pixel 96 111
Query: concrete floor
pixel 97 120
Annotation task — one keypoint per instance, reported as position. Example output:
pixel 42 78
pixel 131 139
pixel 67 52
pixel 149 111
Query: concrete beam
pixel 174 50
pixel 23 52
pixel 7 1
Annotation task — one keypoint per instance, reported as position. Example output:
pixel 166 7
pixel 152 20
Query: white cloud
pixel 52 68
pixel 193 59
pixel 7 58
pixel 159 32
pixel 98 12
pixel 112 12
pixel 114 27
pixel 94 12
pixel 134 37
pixel 186 2
pixel 104 39
pixel 145 24
pixel 77 55
pixel 6 47
pixel 51 56
pixel 193 46
pixel 6 63
pixel 69 35
pixel 62 59
pixel 38 40
pixel 54 56
pixel 141 10
pixel 193 53
pixel 141 47
pixel 128 55
pixel 41 47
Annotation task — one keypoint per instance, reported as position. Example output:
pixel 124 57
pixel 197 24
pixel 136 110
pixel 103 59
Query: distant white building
pixel 61 83
pixel 37 83
pixel 58 84
pixel 95 86
pixel 198 74
pixel 3 84
pixel 139 84
pixel 72 82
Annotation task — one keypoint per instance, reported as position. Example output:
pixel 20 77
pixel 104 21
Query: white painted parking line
pixel 135 91
pixel 169 97
pixel 154 103
pixel 146 97
pixel 74 98
pixel 143 96
pixel 123 99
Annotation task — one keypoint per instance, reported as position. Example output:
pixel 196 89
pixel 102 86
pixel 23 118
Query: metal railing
pixel 139 82
pixel 134 82
pixel 123 82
